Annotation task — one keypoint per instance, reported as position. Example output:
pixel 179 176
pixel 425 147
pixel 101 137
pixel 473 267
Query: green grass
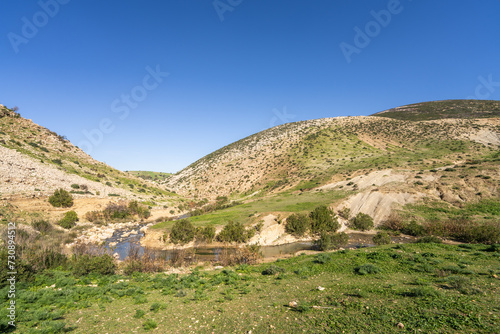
pixel 429 288
pixel 432 211
pixel 284 202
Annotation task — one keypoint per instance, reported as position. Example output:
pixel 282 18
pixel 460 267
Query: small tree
pixel 323 219
pixel 233 232
pixel 182 232
pixel 297 224
pixel 206 234
pixel 362 222
pixel 69 220
pixel 61 198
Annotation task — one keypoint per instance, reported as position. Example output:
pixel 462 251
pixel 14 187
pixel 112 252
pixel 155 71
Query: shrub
pixel 182 232
pixel 61 198
pixel 462 284
pixel 246 255
pixel 366 269
pixel 149 324
pixel 345 213
pixel 322 258
pixel 382 238
pixel 139 314
pixel 393 223
pixel 362 222
pixel 100 264
pixel 486 233
pixel 414 229
pixel 233 232
pixel 75 186
pixel 69 220
pixel 42 226
pixel 206 234
pixel 297 224
pixel 139 209
pixel 273 270
pixel 116 211
pixel 323 220
pixel 332 240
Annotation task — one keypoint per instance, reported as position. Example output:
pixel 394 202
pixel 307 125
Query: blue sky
pixel 156 85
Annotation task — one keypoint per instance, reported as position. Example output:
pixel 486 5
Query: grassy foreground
pixel 427 288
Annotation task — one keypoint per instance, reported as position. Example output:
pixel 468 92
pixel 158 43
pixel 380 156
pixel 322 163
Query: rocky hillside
pixel 35 161
pixel 305 155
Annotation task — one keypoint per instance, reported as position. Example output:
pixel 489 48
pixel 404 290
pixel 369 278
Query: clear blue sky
pixel 234 67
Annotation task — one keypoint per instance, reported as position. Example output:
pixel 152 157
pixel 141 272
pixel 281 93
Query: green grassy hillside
pixel 428 288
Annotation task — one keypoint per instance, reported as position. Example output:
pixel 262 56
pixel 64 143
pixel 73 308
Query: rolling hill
pixel 309 154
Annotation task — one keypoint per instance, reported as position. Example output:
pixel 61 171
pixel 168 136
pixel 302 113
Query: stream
pixel 123 240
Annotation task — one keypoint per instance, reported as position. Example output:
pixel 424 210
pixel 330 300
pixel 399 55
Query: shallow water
pixel 208 253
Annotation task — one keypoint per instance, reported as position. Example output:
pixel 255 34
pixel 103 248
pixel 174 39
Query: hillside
pixel 308 154
pixel 35 161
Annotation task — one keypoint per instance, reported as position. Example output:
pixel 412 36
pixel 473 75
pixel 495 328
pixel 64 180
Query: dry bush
pixel 182 257
pixel 246 255
pixel 394 223
pixel 148 262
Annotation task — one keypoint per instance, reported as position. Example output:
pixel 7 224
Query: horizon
pixel 157 87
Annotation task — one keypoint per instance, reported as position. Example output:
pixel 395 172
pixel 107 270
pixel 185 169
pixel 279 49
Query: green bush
pixel 149 324
pixel 234 232
pixel 414 229
pixel 362 222
pixel 69 220
pixel 139 209
pixel 182 232
pixel 61 198
pixel 273 270
pixel 139 314
pixel 206 234
pixel 100 264
pixel 323 258
pixel 323 219
pixel 366 269
pixel 75 186
pixel 330 241
pixel 486 233
pixel 297 224
pixel 382 238
pixel 345 213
